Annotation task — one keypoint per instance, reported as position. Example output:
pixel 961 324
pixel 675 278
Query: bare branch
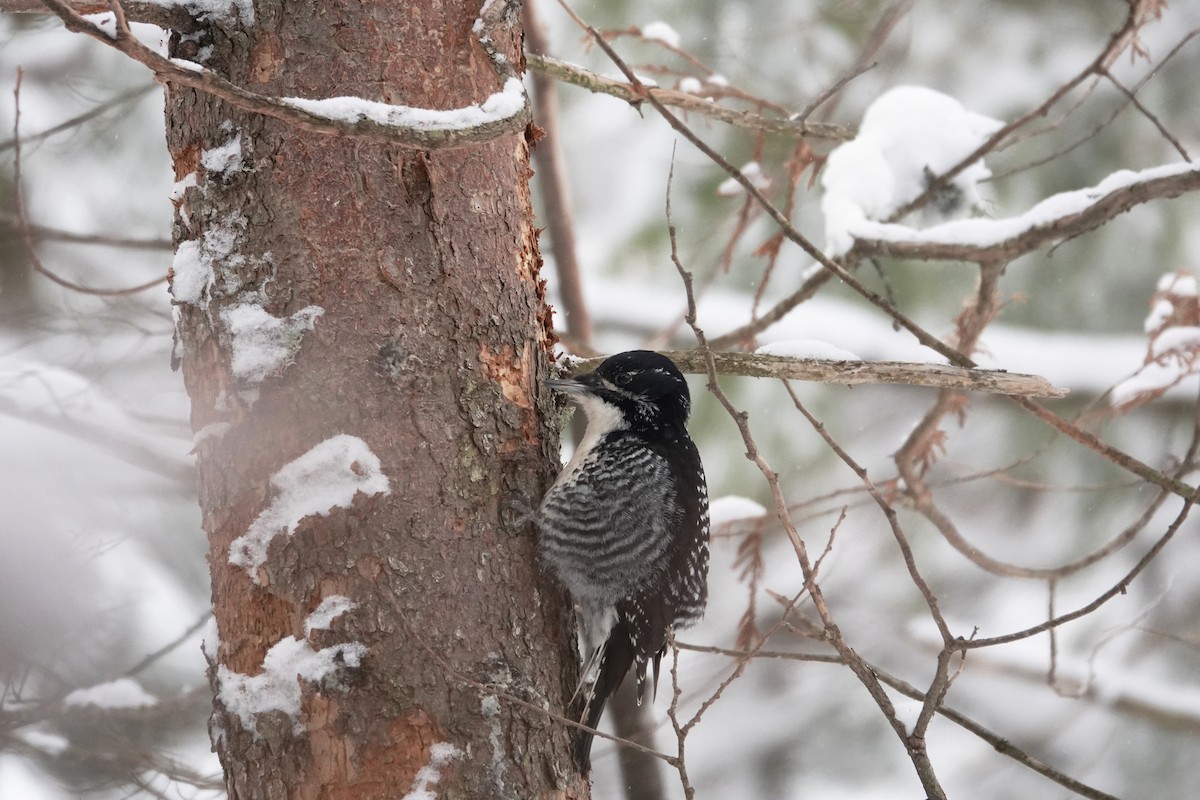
pixel 1148 115
pixel 883 30
pixel 1120 587
pixel 690 103
pixel 852 373
pixel 104 240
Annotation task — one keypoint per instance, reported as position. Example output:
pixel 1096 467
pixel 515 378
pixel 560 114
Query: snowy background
pixel 101 552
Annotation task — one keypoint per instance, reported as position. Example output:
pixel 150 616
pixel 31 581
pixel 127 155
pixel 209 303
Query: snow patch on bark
pixel 328 476
pixel 263 344
pixel 277 686
pixel 440 754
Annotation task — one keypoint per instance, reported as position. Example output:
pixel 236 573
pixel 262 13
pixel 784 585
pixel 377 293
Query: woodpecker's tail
pixel 617 658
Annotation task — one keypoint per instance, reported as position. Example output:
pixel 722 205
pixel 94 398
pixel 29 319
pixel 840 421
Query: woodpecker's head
pixel 644 388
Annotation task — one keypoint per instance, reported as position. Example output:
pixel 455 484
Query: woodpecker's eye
pixel 625 378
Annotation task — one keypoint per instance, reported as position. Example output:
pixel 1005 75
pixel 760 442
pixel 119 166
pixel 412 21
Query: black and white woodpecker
pixel 624 527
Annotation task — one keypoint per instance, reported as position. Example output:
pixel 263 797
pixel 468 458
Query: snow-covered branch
pixel 1057 218
pixel 502 114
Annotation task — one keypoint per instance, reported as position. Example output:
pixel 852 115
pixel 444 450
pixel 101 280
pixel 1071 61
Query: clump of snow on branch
pixel 1173 353
pixel 105 22
pixel 277 686
pixel 499 106
pixel 908 136
pixel 226 158
pixel 328 476
pixel 190 66
pixel 121 693
pixel 691 85
pixel 807 348
pixel 330 609
pixel 264 344
pixel 440 754
pixel 753 172
pixel 49 743
pixel 660 31
pixel 733 508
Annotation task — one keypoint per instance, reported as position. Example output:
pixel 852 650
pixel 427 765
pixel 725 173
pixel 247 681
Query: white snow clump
pixel 661 32
pixel 807 348
pixel 908 135
pixel 328 476
pixel 753 172
pixel 330 609
pixel 264 344
pixel 440 754
pixel 226 158
pixel 277 686
pixel 121 693
pixel 733 508
pixel 499 106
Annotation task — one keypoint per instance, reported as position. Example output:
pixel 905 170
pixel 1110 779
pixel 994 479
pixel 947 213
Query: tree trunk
pixel 407 322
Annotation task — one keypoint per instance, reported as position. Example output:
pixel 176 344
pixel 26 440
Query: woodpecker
pixel 624 527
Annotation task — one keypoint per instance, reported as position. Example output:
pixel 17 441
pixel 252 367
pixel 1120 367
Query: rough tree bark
pixel 431 347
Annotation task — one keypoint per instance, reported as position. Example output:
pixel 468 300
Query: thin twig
pixel 1120 587
pixel 1103 124
pixel 1147 114
pixel 23 222
pixel 883 30
pixel 76 121
pixel 169 646
pixel 1002 744
pixel 101 239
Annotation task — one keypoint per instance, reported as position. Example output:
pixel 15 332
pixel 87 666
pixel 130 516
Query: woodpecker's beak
pixel 583 384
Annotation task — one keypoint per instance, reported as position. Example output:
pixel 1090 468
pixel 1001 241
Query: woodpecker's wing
pixel 678 595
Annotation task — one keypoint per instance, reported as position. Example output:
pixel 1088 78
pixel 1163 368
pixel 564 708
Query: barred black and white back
pixel 625 525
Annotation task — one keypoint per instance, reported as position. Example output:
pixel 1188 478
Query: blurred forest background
pixel 101 552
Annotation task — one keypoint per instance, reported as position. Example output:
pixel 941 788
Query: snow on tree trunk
pixel 363 334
